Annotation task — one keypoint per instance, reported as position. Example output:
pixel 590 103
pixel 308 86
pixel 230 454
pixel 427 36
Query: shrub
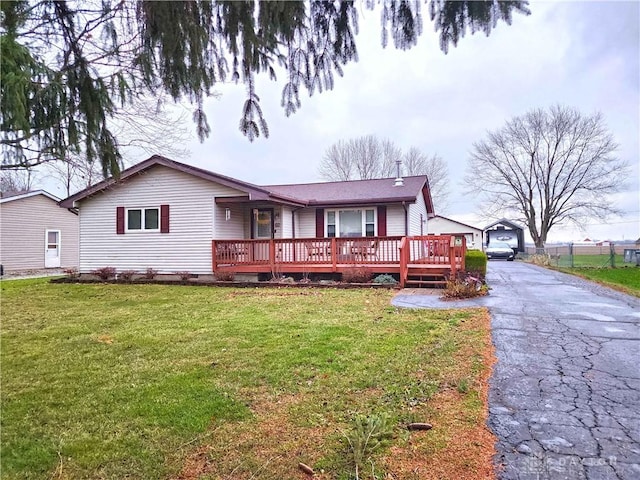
pixel 476 263
pixel 357 275
pixel 150 273
pixel 104 273
pixel 540 259
pixel 184 275
pixel 384 278
pixel 458 288
pixel 224 276
pixel 71 272
pixel 127 275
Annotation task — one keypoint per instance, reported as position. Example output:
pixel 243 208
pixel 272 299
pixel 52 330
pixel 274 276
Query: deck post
pixel 404 261
pixel 334 254
pixel 272 254
pixel 463 267
pixel 452 256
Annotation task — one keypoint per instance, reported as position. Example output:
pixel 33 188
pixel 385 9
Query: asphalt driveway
pixel 564 398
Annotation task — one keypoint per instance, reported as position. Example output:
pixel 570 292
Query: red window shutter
pixel 164 218
pixel 319 222
pixel 382 221
pixel 119 220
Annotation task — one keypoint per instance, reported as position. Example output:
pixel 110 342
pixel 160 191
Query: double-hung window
pixel 143 219
pixel 351 223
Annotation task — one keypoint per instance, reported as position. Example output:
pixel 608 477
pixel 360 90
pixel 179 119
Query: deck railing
pixel 445 250
pixel 401 252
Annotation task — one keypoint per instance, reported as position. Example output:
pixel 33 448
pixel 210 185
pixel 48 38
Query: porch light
pixel 227 214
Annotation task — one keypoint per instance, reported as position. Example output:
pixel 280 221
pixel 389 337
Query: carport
pixel 507 232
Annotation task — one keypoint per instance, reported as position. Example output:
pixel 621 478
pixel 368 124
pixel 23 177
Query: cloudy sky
pixel 581 54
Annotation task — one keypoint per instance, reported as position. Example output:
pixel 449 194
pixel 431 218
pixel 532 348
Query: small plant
pixel 463 386
pixel 369 435
pixel 223 276
pixel 104 273
pixel 384 278
pixel 127 275
pixel 357 275
pixel 71 272
pixel 150 273
pixel 465 287
pixel 184 275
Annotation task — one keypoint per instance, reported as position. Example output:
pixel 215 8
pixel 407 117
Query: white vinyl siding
pixel 306 223
pixel 231 229
pixel 418 214
pixel 22 233
pixel 187 247
pixel 285 229
pixel 395 220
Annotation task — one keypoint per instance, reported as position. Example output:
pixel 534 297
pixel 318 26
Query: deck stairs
pixel 423 278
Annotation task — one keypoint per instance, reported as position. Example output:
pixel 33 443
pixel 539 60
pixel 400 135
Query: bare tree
pixel 151 125
pixel 547 167
pixel 337 163
pixel 391 153
pixel 415 162
pixel 366 153
pixel 74 174
pixel 369 157
pixel 145 127
pixel 12 181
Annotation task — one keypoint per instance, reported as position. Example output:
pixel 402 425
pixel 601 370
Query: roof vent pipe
pixel 399 181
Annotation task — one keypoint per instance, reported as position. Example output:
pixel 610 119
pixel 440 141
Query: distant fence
pixel 588 255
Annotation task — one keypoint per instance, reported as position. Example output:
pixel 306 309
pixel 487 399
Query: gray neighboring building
pixel 36 233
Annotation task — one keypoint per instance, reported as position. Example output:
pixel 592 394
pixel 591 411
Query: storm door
pixel 262 229
pixel 52 249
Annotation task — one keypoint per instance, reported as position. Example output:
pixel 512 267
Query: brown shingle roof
pixel 352 192
pixel 355 192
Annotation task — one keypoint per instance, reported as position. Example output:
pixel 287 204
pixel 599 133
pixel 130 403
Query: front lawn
pixel 626 279
pixel 153 381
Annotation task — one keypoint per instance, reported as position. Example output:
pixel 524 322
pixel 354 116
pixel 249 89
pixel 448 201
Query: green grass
pixel 594 261
pixel 626 279
pixel 114 381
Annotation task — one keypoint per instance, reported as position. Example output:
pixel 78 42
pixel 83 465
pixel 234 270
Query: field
pixel 153 382
pixel 626 279
pixel 594 261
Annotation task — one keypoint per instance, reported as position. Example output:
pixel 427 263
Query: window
pixel 143 219
pixel 331 224
pixel 369 223
pixel 351 223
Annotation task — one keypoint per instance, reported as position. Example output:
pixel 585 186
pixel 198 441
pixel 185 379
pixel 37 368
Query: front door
pixel 263 223
pixel 52 249
pixel 262 230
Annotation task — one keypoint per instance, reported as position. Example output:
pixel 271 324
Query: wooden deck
pixel 405 256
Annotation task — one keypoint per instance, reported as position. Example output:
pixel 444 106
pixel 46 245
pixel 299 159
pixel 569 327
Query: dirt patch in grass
pixel 271 446
pixel 460 445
